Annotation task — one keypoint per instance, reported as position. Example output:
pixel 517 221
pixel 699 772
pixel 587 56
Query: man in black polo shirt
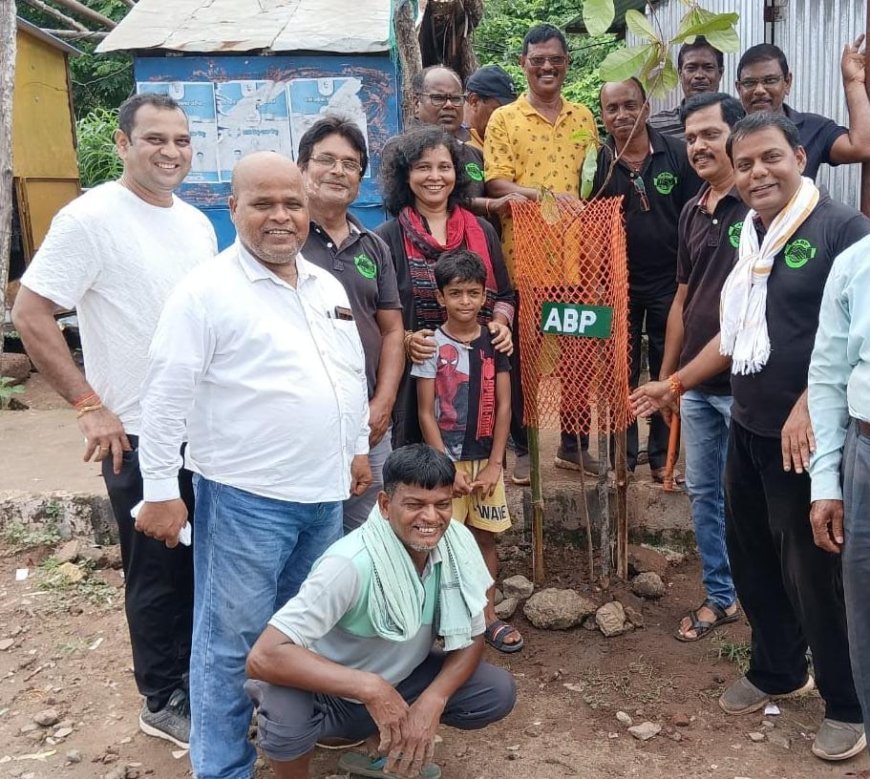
pixel 332 158
pixel 700 66
pixel 764 81
pixel 790 589
pixel 709 230
pixel 653 175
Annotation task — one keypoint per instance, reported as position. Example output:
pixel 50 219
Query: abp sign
pixel 576 320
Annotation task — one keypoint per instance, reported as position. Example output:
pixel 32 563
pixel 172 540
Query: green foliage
pixel 499 40
pixel 8 389
pixel 652 62
pixel 598 15
pixel 21 536
pixel 737 652
pixel 98 161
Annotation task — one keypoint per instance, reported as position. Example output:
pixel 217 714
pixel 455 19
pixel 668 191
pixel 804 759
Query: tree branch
pixel 78 35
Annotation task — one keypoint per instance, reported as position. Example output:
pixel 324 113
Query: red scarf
pixel 422 251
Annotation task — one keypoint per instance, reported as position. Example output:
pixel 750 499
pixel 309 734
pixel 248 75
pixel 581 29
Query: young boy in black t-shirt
pixel 464 407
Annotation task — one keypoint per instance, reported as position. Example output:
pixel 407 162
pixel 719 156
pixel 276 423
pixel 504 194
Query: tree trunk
pixel 409 54
pixel 7 79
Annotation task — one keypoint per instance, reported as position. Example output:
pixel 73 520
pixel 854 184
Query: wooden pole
pixel 88 13
pixel 60 16
pixel 76 35
pixel 8 29
pixel 538 568
pixel 604 494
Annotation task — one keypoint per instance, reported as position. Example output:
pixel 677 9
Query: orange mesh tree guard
pixel 578 259
pixel 572 278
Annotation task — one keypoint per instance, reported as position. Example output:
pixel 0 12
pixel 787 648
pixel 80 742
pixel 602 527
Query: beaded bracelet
pixel 676 385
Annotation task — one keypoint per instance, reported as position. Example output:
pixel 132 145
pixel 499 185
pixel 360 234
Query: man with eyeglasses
pixel 333 159
pixel 700 66
pixel 764 81
pixel 532 144
pixel 652 174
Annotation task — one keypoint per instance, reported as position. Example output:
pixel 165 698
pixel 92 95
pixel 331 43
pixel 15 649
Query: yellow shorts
pixel 477 511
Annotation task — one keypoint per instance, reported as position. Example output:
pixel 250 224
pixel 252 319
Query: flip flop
pixel 495 634
pixel 702 627
pixel 358 764
pixel 658 476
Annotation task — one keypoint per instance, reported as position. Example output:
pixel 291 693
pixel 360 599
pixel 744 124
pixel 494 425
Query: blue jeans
pixel 251 554
pixel 705 422
pixel 856 559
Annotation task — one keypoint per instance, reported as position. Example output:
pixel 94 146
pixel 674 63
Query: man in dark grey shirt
pixel 700 66
pixel 333 159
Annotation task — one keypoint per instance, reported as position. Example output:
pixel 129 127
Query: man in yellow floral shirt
pixel 530 144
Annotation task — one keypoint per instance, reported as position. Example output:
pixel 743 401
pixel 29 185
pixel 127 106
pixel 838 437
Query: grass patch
pixel 21 536
pixel 737 652
pixel 92 589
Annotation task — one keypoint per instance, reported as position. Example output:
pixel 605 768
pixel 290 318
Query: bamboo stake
pixel 88 13
pixel 621 506
pixel 538 567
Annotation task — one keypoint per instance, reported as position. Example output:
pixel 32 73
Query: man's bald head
pixel 252 166
pixel 268 208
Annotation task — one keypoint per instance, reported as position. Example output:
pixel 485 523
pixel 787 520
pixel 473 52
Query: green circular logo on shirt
pixel 366 266
pixel 798 253
pixel 474 172
pixel 665 182
pixel 734 234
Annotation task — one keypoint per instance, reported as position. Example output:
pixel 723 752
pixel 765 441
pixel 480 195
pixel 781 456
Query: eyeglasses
pixel 328 161
pixel 440 100
pixel 768 81
pixel 557 61
pixel 640 188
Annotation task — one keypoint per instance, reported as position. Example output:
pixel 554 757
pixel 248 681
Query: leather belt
pixel 863 427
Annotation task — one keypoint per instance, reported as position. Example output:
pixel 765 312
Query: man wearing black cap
pixel 488 88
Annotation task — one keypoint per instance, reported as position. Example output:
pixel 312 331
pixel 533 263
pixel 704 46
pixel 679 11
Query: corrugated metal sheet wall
pixel 812 35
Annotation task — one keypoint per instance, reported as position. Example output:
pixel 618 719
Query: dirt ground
pixel 65 647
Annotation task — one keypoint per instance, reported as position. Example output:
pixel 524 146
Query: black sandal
pixel 702 627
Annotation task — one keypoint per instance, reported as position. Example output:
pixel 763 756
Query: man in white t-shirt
pixel 114 255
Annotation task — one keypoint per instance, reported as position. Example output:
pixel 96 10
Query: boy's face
pixel 462 300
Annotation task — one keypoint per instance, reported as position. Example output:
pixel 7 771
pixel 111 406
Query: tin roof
pixel 208 26
pixel 51 40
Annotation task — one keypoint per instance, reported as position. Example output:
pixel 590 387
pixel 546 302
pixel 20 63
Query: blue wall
pixel 279 97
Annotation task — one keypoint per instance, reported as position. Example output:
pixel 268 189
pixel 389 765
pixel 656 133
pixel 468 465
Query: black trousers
pixel 158 587
pixel 653 313
pixel 791 591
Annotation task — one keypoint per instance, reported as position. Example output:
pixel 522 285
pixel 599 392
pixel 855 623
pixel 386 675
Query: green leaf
pixel 624 63
pixel 598 16
pixel 724 40
pixel 651 64
pixel 587 172
pixel 640 25
pixel 701 22
pixel 664 78
pixel 582 137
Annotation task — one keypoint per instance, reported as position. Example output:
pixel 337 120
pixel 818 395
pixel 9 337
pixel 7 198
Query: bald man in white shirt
pixel 258 360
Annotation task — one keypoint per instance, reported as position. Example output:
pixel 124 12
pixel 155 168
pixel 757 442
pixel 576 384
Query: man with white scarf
pixel 352 657
pixel 790 590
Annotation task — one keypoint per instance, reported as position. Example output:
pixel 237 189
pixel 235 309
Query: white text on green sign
pixel 576 319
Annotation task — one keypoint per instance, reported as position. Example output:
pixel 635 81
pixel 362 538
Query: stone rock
pixel 15 366
pixel 6 643
pixel 111 577
pixel 634 616
pixel 780 740
pixel 506 609
pixel 46 717
pixel 102 556
pixel 68 552
pixel 756 737
pixel 554 609
pixel 624 718
pixel 680 720
pixel 643 560
pixel 610 619
pixel 74 756
pixel 518 587
pixel 71 573
pixel 645 731
pixel 62 733
pixel 534 730
pixel 498 596
pixel 589 623
pixel 648 585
